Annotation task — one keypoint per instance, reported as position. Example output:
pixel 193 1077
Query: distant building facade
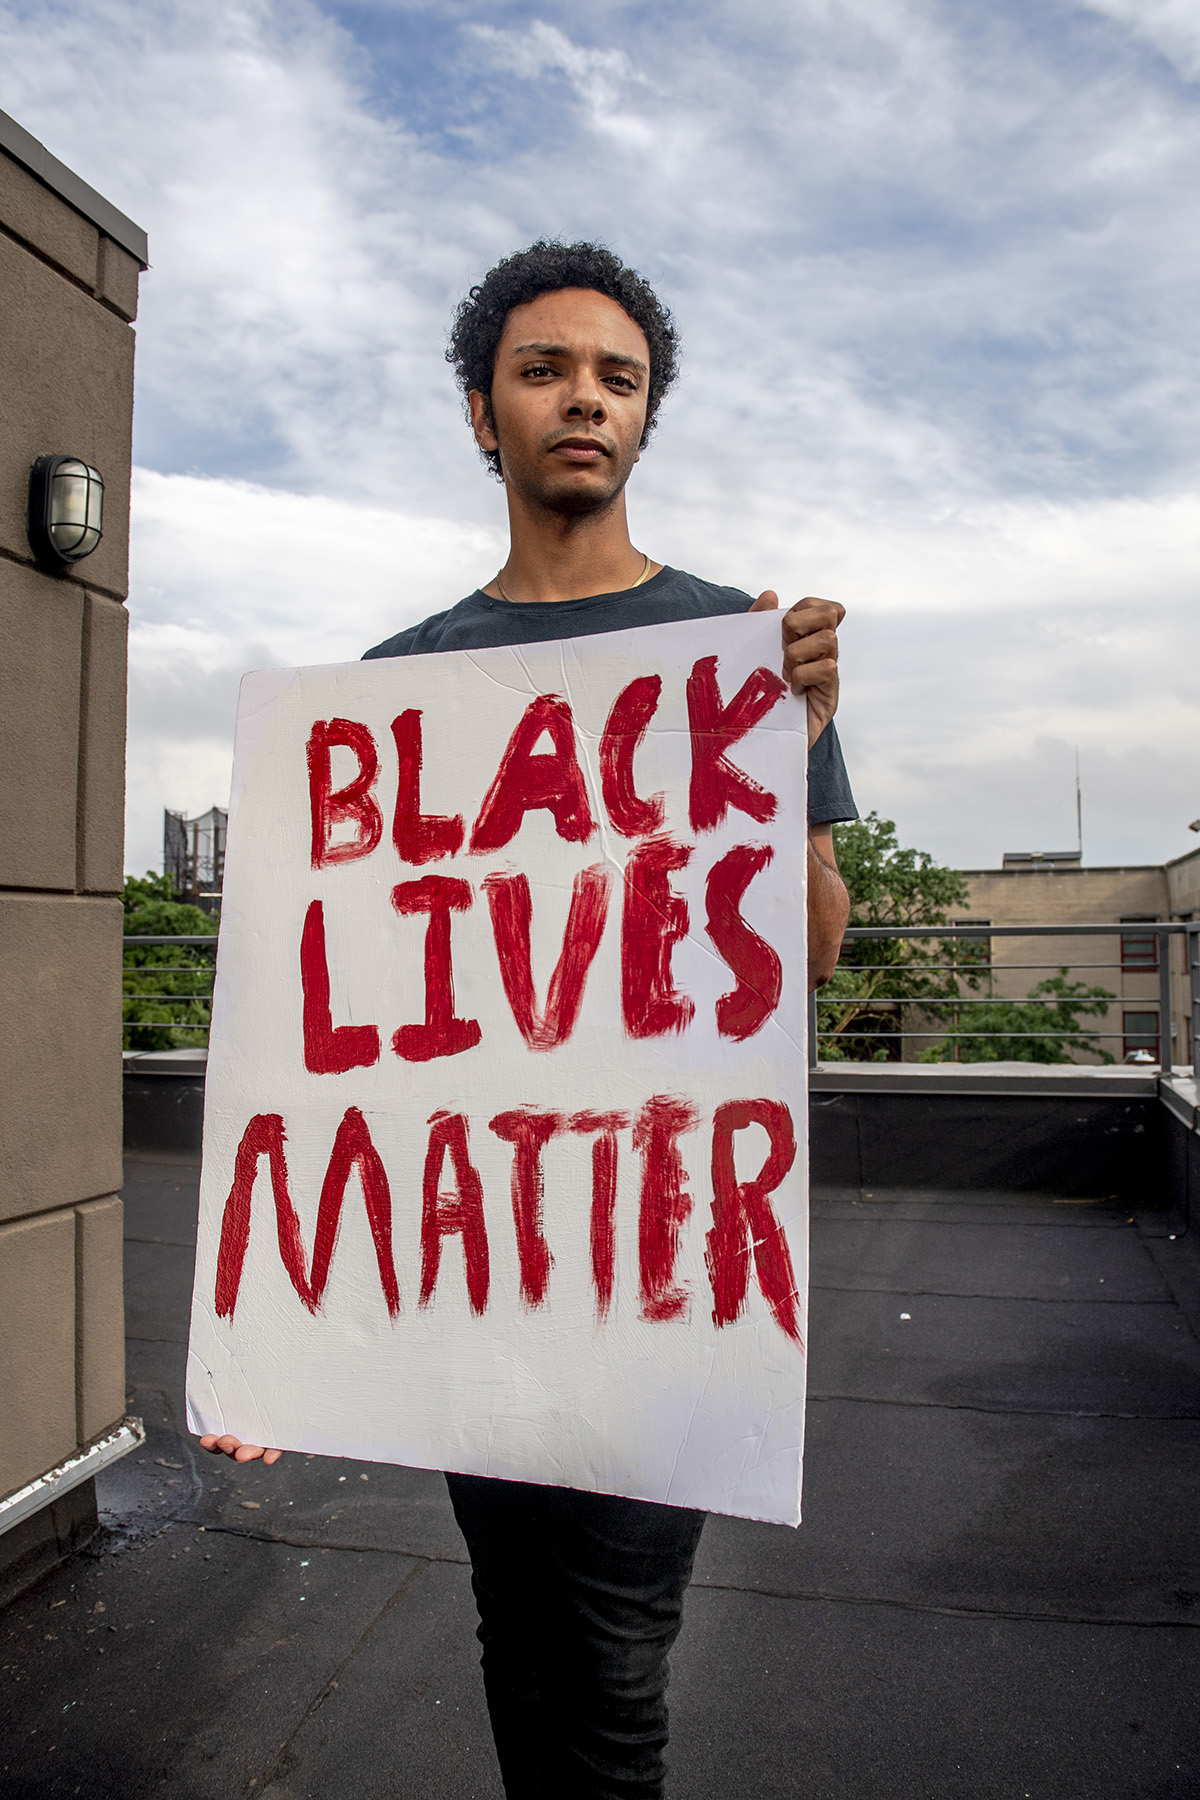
pixel 1055 888
pixel 194 856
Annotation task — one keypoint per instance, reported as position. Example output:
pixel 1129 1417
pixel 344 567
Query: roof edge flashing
pixel 24 148
pixel 81 1466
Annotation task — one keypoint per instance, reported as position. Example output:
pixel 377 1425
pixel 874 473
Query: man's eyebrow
pixel 609 356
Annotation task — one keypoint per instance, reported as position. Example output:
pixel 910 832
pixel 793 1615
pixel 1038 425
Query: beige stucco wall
pixel 68 296
pixel 1183 884
pixel 1076 896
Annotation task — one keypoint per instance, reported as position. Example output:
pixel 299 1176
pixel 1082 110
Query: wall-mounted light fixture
pixel 66 507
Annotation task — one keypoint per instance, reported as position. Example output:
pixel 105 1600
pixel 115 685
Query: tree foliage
pixel 167 1000
pixel 888 885
pixel 1015 1030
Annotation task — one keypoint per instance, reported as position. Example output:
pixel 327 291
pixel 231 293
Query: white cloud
pixel 605 82
pixel 1172 27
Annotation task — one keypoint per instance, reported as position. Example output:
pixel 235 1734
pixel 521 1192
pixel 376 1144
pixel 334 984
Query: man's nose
pixel 585 399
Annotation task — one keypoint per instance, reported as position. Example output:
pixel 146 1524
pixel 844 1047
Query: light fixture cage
pixel 66 510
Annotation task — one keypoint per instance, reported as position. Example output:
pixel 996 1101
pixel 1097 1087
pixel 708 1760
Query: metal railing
pixel 935 1029
pixel 188 984
pixel 140 983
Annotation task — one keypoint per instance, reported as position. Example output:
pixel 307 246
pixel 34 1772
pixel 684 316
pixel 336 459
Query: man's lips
pixel 579 450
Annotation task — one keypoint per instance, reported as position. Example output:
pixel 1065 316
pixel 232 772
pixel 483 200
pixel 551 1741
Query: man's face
pixel 568 400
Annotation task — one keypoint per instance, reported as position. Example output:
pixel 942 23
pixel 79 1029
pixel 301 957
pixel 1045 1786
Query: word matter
pixel 743 1228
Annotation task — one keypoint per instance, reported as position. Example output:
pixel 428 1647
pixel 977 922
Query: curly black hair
pixel 544 268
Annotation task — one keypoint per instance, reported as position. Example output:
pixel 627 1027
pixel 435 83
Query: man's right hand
pixel 810 652
pixel 242 1453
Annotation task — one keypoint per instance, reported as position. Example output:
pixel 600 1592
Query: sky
pixel 937 274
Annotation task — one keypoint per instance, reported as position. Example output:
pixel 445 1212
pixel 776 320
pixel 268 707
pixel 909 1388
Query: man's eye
pixel 538 369
pixel 625 381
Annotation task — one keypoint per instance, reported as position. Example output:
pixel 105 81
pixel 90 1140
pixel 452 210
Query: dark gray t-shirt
pixel 666 599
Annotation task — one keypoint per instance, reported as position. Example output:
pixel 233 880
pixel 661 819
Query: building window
pixel 973 947
pixel 1141 1032
pixel 1139 949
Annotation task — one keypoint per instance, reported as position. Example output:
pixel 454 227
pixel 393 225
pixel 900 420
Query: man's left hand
pixel 810 653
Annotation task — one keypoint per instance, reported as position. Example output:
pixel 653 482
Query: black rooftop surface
pixel 995 1592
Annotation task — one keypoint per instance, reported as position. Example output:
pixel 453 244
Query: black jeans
pixel 580 1598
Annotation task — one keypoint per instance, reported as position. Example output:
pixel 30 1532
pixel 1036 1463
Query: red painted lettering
pixel 350 803
pixel 442 1034
pixel 264 1136
pixel 458 1214
pixel 511 909
pixel 632 711
pixel 528 1132
pixel 717 784
pixel 743 1218
pixel 352 1148
pixel 758 969
pixel 653 922
pixel 419 837
pixel 603 1126
pixel 329 1049
pixel 526 782
pixel 664 1206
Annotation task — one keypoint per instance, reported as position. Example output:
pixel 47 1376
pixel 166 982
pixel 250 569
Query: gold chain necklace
pixel 645 571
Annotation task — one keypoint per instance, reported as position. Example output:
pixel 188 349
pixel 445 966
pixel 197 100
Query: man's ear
pixel 481 420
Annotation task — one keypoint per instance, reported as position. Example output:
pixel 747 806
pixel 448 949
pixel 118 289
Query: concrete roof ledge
pixel 165 1062
pixel 1061 1079
pixel 24 148
pixel 1179 1096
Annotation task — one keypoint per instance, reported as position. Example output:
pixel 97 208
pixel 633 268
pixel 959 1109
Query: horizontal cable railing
pixel 166 991
pixel 168 1002
pixel 853 1019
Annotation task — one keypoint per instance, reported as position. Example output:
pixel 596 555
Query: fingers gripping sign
pixel 234 1447
pixel 810 654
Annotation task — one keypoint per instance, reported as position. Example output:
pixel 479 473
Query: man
pixel 564 356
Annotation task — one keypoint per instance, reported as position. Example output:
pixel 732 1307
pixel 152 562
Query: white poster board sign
pixel 505 1137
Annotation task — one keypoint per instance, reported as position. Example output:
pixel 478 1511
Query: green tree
pixel 888 885
pixel 167 1002
pixel 1005 1023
